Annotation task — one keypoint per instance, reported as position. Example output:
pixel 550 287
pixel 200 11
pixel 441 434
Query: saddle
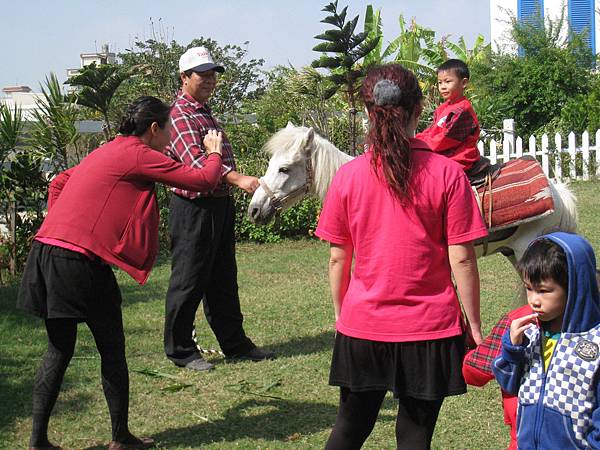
pixel 513 193
pixel 481 170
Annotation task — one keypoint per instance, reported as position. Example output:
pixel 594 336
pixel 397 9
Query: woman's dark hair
pixel 544 260
pixel 391 94
pixel 141 114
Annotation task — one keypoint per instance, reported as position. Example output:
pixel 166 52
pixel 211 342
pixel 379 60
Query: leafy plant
pixel 539 86
pixel 11 129
pixel 97 86
pixel 347 48
pixel 54 136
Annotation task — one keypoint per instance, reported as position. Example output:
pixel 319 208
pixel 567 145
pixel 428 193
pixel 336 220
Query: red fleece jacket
pixel 477 367
pixel 107 204
pixel 454 132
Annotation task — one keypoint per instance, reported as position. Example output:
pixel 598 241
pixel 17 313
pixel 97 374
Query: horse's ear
pixel 289 125
pixel 307 140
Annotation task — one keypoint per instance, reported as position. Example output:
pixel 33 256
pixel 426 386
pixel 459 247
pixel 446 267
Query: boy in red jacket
pixel 477 367
pixel 455 130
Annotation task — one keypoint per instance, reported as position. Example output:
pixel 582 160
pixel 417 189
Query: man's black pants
pixel 203 267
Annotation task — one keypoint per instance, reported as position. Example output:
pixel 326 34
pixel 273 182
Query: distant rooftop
pixel 15 89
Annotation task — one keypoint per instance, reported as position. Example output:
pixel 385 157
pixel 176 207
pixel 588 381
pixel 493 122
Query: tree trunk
pixel 12 229
pixel 352 119
pixel 106 128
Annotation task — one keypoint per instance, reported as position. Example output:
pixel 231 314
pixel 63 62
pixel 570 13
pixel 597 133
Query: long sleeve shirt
pixel 191 121
pixel 107 204
pixel 454 132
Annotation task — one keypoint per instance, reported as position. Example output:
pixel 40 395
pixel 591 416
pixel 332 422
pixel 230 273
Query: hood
pixel 583 303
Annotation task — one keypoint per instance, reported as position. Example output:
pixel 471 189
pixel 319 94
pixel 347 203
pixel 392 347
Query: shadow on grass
pixel 24 342
pixel 271 420
pixel 17 365
pixel 304 345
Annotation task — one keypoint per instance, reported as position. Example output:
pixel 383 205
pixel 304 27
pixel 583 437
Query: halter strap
pixel 280 203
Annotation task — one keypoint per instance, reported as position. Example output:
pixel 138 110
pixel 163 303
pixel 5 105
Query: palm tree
pixel 97 86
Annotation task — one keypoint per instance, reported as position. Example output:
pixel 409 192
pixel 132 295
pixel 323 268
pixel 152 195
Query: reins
pixel 487 186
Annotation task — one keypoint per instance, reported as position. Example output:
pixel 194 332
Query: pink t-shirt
pixel 66 245
pixel 401 287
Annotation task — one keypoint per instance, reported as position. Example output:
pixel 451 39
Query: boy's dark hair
pixel 141 114
pixel 459 67
pixel 544 260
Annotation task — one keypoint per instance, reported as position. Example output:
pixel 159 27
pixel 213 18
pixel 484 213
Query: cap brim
pixel 208 66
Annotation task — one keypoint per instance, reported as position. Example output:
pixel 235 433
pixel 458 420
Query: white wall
pixel 499 17
pixel 499 24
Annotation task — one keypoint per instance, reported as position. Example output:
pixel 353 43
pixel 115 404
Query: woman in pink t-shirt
pixel 406 219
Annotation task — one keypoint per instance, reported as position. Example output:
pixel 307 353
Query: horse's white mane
pixel 326 157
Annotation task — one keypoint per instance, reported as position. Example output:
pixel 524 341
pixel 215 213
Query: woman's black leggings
pixel 107 330
pixel 358 412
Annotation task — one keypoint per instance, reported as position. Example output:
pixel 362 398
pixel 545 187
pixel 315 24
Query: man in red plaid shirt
pixel 202 229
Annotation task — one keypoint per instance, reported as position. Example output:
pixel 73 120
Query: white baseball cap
pixel 198 59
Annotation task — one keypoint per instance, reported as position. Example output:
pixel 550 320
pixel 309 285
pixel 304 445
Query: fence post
pixel 558 157
pixel 493 152
pixel 585 153
pixel 519 147
pixel 508 139
pixel 481 148
pixel 532 144
pixel 572 156
pixel 545 158
pixel 598 153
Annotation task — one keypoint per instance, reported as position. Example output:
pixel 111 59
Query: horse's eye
pixel 284 170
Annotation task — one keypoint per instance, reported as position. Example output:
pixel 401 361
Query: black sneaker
pixel 199 364
pixel 256 354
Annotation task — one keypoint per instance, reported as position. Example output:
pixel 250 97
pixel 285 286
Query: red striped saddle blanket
pixel 520 193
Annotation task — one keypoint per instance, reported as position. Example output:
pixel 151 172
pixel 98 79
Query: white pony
pixel 303 163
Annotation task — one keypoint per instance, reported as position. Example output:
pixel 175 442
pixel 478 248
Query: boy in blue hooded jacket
pixel 551 358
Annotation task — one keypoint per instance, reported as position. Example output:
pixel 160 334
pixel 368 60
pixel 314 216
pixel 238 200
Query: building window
pixel 581 21
pixel 530 10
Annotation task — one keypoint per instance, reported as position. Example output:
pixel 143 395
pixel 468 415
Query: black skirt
pixel 58 284
pixel 426 370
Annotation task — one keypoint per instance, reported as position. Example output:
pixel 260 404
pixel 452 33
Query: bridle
pixel 280 203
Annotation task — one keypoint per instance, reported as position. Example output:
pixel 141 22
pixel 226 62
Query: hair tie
pixel 387 92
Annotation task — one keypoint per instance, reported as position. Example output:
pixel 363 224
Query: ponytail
pixel 392 95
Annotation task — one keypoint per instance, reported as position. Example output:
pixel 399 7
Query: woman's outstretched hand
pixel 213 142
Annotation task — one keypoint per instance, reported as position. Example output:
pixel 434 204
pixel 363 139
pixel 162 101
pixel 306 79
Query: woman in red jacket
pixel 100 212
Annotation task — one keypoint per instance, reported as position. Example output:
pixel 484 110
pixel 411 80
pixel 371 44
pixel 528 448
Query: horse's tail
pixel 565 203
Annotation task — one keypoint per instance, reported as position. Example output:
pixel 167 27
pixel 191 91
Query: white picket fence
pixel 575 159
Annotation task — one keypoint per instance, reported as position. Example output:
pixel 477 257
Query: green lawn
pixel 284 403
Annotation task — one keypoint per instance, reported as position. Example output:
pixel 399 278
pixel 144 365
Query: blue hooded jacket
pixel 558 408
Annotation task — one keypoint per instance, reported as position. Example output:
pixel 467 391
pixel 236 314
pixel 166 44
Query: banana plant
pixel 476 54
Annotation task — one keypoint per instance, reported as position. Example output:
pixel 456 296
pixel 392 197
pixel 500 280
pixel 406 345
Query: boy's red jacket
pixel 107 203
pixel 454 132
pixel 477 367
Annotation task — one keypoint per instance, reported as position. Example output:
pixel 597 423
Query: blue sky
pixel 38 37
